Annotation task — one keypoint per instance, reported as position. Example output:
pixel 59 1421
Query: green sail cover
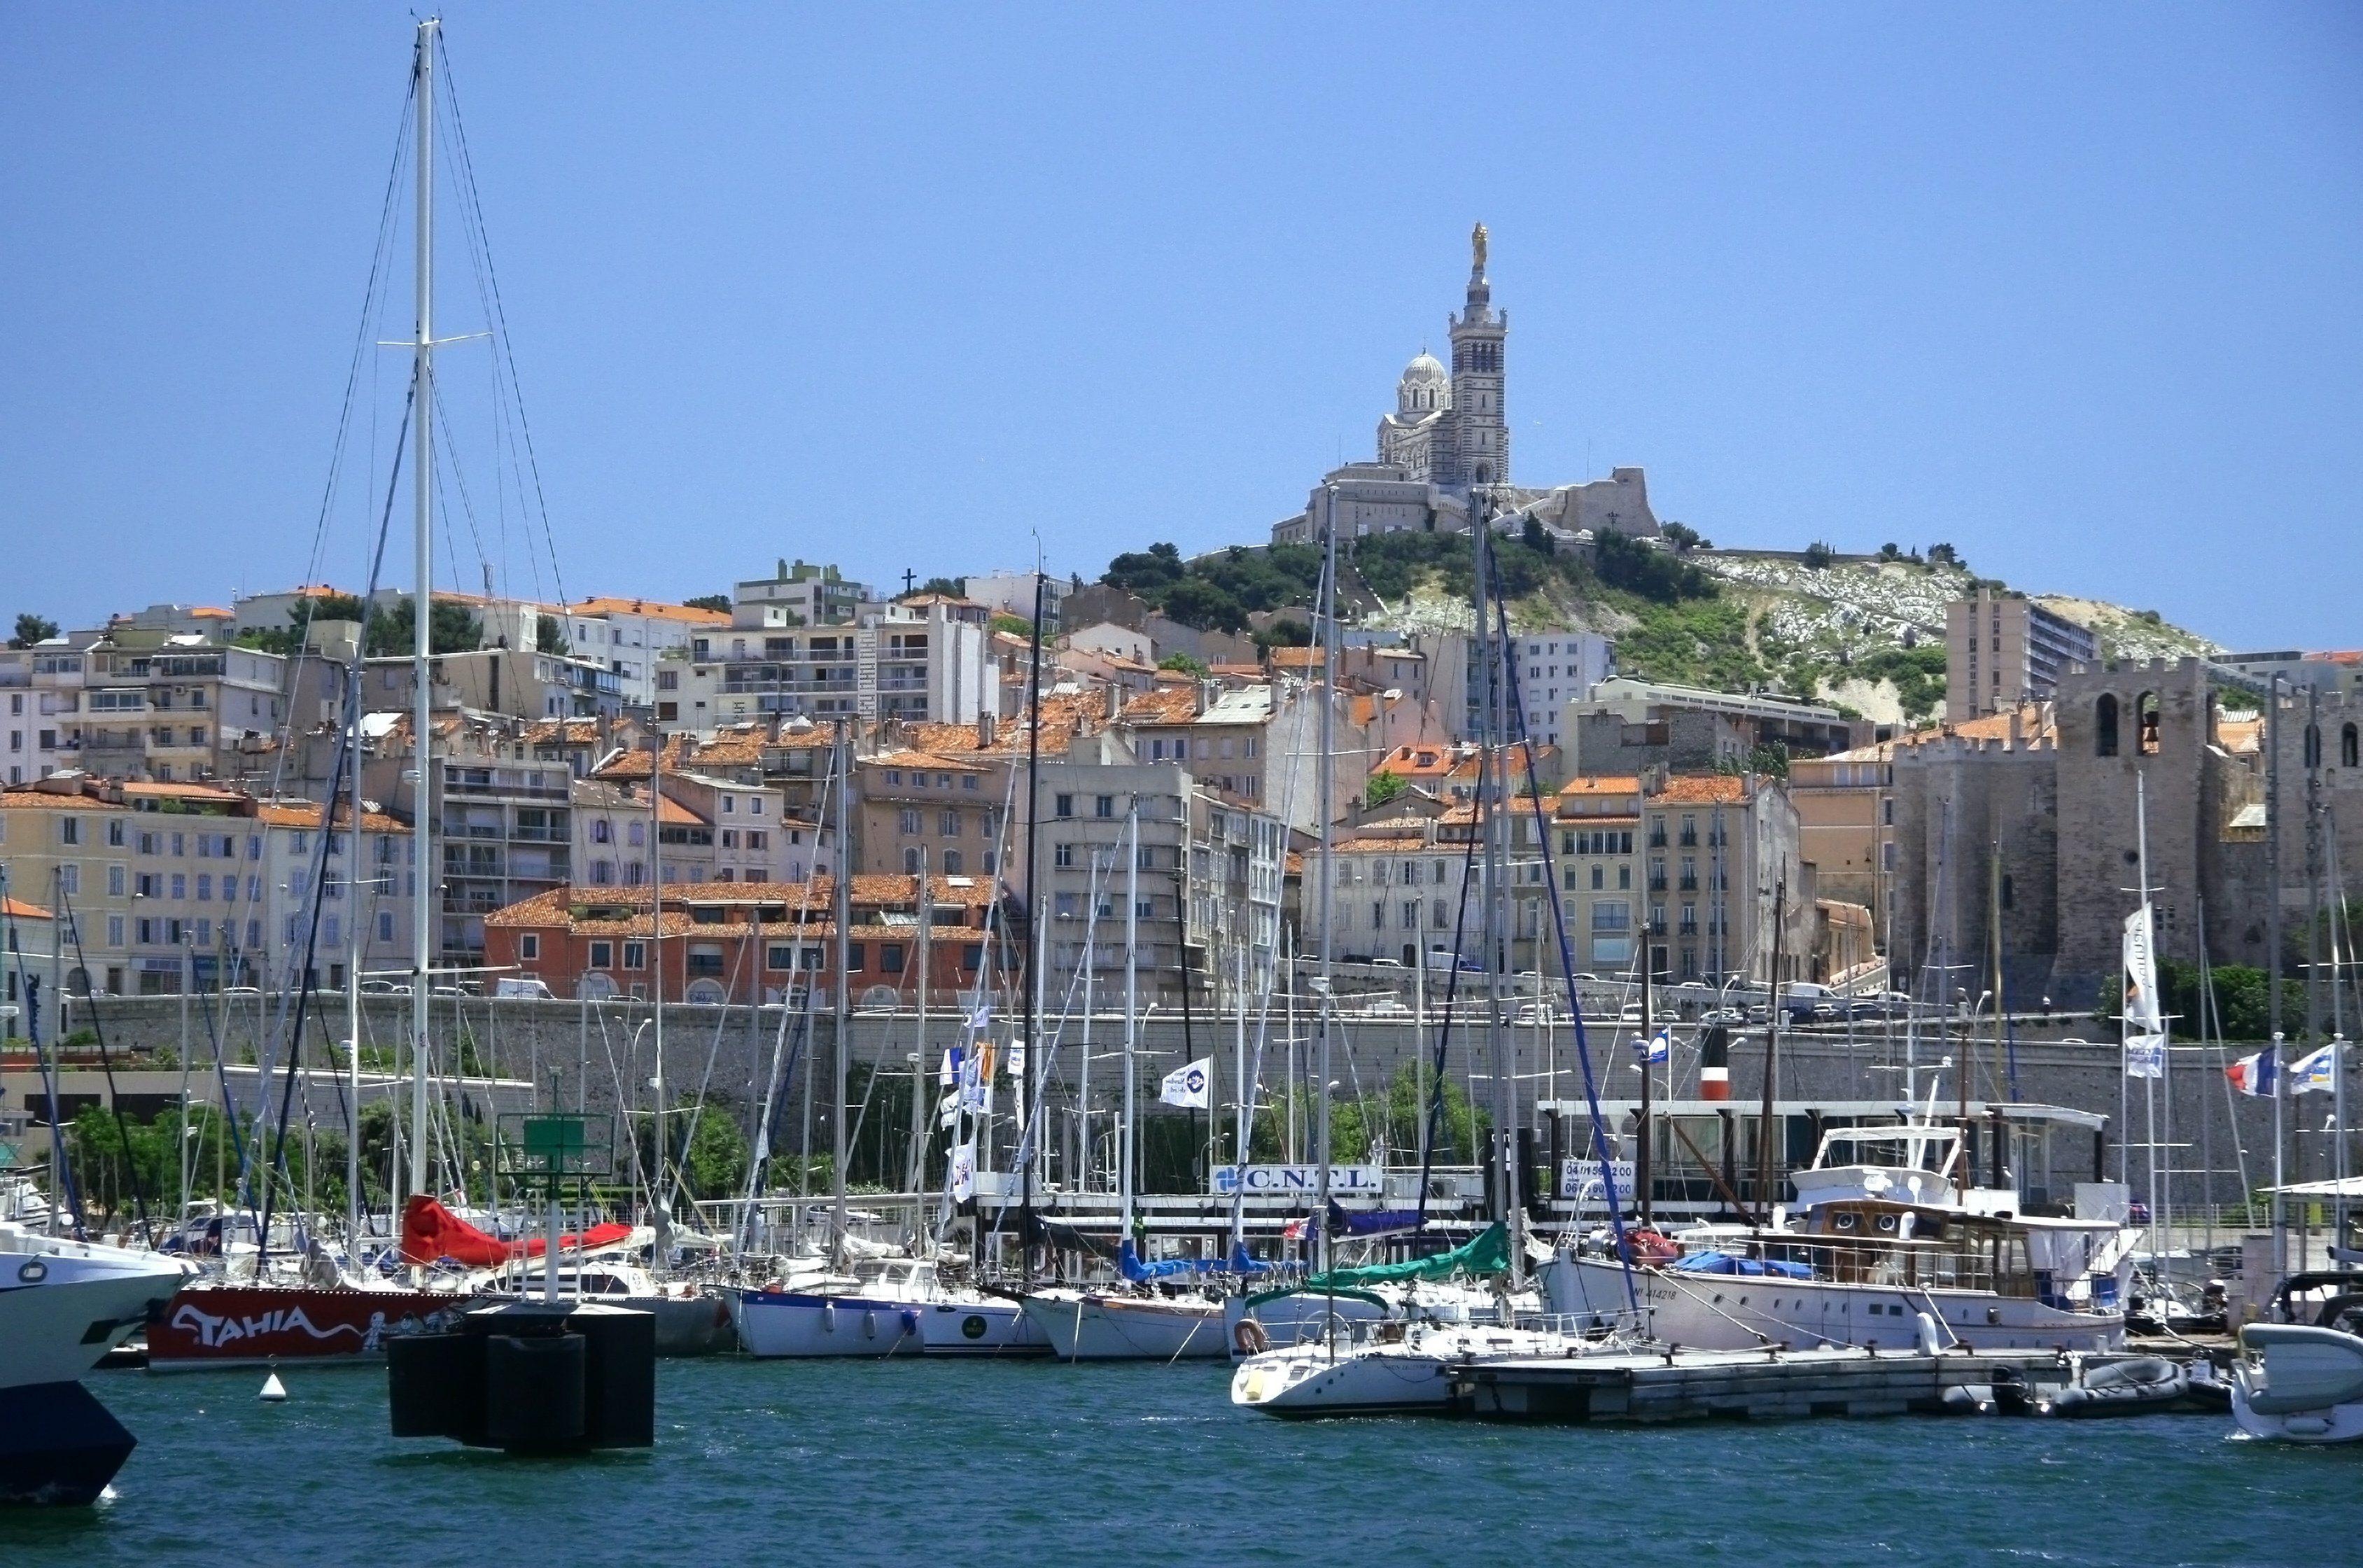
pixel 1488 1253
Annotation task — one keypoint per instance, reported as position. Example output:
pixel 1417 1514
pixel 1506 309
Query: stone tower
pixel 1478 449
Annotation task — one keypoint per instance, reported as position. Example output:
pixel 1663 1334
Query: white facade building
pixel 629 635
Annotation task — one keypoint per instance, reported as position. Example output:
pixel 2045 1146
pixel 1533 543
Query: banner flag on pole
pixel 1658 1047
pixel 1191 1084
pixel 2252 1075
pixel 2316 1072
pixel 2144 1024
pixel 963 1173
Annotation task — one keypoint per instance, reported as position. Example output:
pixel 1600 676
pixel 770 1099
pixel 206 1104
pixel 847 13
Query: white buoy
pixel 273 1391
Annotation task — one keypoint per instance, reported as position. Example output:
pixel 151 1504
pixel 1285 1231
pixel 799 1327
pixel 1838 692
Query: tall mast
pixel 1131 1002
pixel 1764 1126
pixel 842 900
pixel 422 485
pixel 1325 792
pixel 918 1159
pixel 661 1197
pixel 2273 945
pixel 1035 921
pixel 353 973
pixel 1492 796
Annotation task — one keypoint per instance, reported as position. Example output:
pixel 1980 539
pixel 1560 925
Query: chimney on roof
pixel 2016 740
pixel 987 722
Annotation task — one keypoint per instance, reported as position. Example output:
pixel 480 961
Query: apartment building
pixel 1721 852
pixel 1206 879
pixel 155 879
pixel 28 935
pixel 1626 726
pixel 916 810
pixel 802 595
pixel 628 636
pixel 730 942
pixel 140 704
pixel 1597 824
pixel 2003 649
pixel 709 829
pixel 915 662
pixel 42 694
pixel 517 681
pixel 1846 823
pixel 1258 743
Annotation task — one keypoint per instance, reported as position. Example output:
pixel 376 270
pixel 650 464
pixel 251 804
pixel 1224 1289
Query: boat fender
pixel 1249 1338
pixel 910 1321
pixel 868 1323
pixel 828 1316
pixel 1929 1342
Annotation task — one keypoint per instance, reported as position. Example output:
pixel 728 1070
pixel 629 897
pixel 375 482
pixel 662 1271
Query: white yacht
pixel 1888 1225
pixel 63 1305
pixel 1119 1325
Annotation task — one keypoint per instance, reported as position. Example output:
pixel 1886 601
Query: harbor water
pixel 849 1462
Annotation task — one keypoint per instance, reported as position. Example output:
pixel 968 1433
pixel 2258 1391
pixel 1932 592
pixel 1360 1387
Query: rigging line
pixel 347 743
pixel 1567 959
pixel 450 447
pixel 361 334
pixel 72 928
pixel 503 343
pixel 28 987
pixel 1434 1107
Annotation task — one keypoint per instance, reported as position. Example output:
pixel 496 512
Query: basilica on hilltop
pixel 1449 437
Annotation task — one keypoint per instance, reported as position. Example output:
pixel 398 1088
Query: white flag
pixel 963 1173
pixel 1191 1084
pixel 2315 1072
pixel 1018 1059
pixel 2145 1023
pixel 947 1110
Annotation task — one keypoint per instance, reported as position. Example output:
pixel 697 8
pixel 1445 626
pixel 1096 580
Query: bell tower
pixel 1478 449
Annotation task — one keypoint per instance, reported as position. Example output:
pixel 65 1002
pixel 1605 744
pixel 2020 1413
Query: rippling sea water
pixel 929 1461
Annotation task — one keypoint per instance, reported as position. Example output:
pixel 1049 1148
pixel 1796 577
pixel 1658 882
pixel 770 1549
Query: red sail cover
pixel 430 1231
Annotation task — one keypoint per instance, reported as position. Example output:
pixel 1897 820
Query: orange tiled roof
pixel 1703 789
pixel 307 813
pixel 609 605
pixel 562 731
pixel 1169 703
pixel 18 909
pixel 918 759
pixel 1600 784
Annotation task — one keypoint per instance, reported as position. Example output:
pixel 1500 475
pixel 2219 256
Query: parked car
pixel 511 985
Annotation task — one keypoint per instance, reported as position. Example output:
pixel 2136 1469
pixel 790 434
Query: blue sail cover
pixel 1344 1223
pixel 1238 1262
pixel 1713 1262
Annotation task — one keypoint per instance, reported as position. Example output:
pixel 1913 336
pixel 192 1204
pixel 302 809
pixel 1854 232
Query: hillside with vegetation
pixel 1865 633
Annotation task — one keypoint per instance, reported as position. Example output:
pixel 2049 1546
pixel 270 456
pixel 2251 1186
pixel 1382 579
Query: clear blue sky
pixel 2079 289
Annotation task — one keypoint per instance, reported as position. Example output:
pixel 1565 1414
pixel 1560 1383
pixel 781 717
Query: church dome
pixel 1424 370
pixel 1425 386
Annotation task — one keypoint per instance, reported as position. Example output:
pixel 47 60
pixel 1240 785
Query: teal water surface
pixel 848 1462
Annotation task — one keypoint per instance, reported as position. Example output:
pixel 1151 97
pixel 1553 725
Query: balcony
pixel 1656 884
pixel 1658 841
pixel 1690 839
pixel 1688 885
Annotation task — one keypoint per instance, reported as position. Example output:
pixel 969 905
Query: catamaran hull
pixel 1114 1328
pixel 58 1445
pixel 979 1329
pixel 790 1324
pixel 1740 1312
pixel 218 1327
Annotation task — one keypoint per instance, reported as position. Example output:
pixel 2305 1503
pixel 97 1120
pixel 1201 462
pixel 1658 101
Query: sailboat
pixel 217 1323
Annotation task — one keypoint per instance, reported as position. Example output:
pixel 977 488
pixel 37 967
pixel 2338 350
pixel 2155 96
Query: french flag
pixel 2252 1074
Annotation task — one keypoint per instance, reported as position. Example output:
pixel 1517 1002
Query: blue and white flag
pixel 1658 1047
pixel 1191 1085
pixel 979 1020
pixel 948 1072
pixel 2317 1069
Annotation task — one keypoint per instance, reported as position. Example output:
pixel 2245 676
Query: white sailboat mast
pixel 422 484
pixel 1131 999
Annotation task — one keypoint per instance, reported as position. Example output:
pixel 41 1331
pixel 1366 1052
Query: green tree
pixel 1285 633
pixel 1819 554
pixel 1185 663
pixel 451 629
pixel 1145 573
pixel 1194 602
pixel 718 603
pixel 1015 626
pixel 716 1164
pixel 1685 539
pixel 1392 1114
pixel 1383 788
pixel 32 628
pixel 951 587
pixel 549 637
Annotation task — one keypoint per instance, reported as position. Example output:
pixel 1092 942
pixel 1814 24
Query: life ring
pixel 1250 1338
